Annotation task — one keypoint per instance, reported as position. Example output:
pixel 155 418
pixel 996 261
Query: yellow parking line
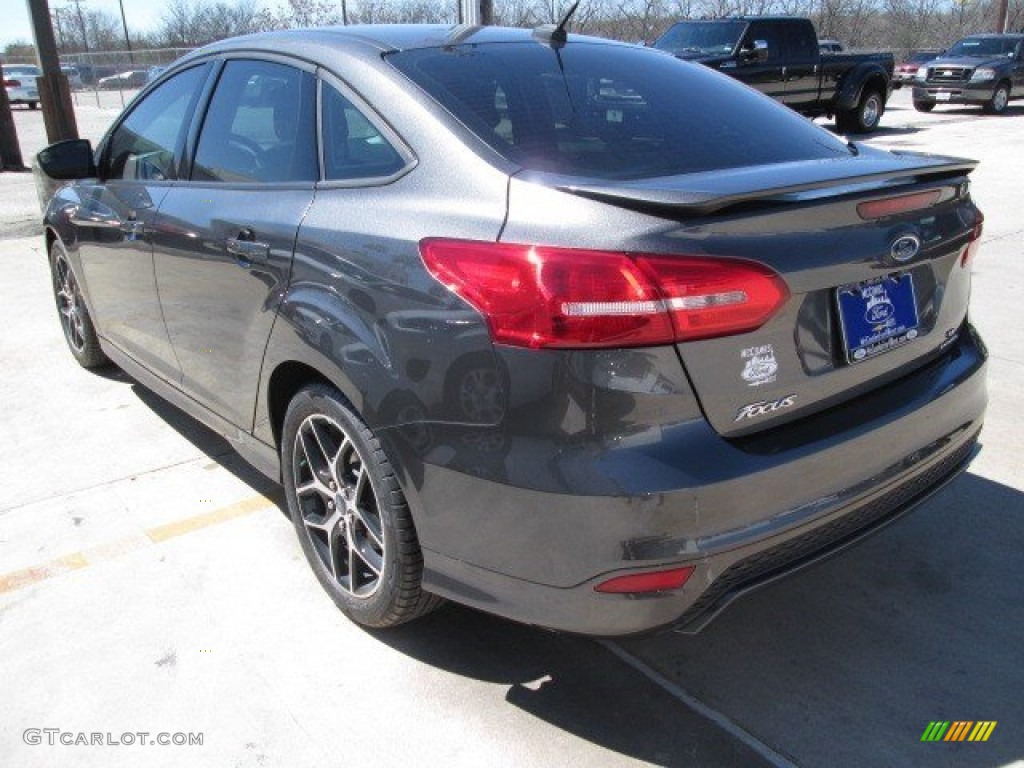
pixel 214 517
pixel 110 550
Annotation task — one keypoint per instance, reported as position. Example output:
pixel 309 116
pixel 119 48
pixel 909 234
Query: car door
pixel 223 241
pixel 764 75
pixel 139 163
pixel 1017 89
pixel 801 70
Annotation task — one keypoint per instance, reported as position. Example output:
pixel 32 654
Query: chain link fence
pixel 110 79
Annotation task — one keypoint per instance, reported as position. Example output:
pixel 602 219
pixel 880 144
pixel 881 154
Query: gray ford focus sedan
pixel 567 330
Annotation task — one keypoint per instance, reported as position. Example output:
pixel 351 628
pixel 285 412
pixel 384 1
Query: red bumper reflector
pixel 975 242
pixel 656 581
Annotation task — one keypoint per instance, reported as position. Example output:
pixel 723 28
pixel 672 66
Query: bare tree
pixel 183 23
pixel 309 13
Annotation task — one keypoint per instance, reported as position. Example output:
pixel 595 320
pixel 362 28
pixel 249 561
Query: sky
pixel 140 14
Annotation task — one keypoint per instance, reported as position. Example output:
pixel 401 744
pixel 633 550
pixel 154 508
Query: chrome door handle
pixel 246 249
pixel 82 216
pixel 133 228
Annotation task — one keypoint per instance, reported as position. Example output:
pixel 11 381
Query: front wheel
pixel 33 104
pixel 350 513
pixel 865 117
pixel 999 101
pixel 924 106
pixel 79 332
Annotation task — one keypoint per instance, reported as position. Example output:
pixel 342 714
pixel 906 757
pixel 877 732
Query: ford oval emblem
pixel 904 248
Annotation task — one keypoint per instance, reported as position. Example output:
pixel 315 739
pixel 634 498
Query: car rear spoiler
pixel 713 191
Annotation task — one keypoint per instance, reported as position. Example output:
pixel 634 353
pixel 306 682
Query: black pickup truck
pixel 779 56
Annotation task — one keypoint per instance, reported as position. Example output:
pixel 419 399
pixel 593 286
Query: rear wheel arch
pixel 286 380
pixel 853 85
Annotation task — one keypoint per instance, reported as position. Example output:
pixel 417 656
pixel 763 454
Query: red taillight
pixel 12 83
pixel 890 206
pixel 975 241
pixel 657 581
pixel 539 296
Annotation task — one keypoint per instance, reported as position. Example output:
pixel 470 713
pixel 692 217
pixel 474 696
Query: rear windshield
pixel 610 112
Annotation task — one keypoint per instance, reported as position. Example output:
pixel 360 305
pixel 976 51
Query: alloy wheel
pixel 871 111
pixel 338 506
pixel 1000 99
pixel 69 304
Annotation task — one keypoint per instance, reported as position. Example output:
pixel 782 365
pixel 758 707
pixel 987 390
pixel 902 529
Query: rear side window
pixel 801 44
pixel 611 112
pixel 260 126
pixel 145 145
pixel 353 147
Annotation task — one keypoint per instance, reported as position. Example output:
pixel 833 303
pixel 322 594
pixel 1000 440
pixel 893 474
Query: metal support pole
pixel 127 40
pixel 54 93
pixel 470 13
pixel 10 150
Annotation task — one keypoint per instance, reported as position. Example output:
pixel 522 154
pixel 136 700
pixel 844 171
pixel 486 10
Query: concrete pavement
pixel 150 582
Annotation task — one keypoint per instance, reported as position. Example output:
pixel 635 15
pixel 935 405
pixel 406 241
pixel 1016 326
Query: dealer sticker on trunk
pixel 759 366
pixel 877 316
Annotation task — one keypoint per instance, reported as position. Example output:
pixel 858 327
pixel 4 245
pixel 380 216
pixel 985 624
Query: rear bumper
pixel 955 94
pixel 22 95
pixel 753 510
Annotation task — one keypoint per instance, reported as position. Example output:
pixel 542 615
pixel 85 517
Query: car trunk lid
pixel 875 291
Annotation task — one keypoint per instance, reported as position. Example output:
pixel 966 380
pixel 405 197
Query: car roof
pixel 996 35
pixel 723 19
pixel 379 38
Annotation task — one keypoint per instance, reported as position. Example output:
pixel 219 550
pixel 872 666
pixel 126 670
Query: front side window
pixel 353 147
pixel 145 145
pixel 769 32
pixel 260 126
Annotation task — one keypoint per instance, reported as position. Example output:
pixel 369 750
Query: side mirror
pixel 755 52
pixel 67 160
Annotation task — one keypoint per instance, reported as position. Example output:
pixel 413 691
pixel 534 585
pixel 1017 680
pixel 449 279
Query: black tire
pixel 866 116
pixel 33 104
pixel 326 451
pixel 1000 99
pixel 79 332
pixel 924 106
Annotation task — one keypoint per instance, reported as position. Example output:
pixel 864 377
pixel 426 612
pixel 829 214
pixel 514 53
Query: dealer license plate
pixel 877 315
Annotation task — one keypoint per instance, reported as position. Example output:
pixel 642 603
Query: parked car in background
pixel 73 75
pixel 980 70
pixel 830 46
pixel 906 69
pixel 20 84
pixel 570 331
pixel 153 73
pixel 780 56
pixel 132 78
